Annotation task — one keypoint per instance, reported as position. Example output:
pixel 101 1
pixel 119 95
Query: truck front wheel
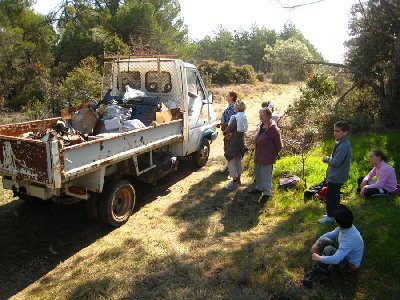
pixel 200 157
pixel 117 202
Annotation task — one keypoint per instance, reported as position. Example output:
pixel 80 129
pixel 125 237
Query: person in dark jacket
pixel 231 98
pixel 338 169
pixel 268 144
pixel 237 127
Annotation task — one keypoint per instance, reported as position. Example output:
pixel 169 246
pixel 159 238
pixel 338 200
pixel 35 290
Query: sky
pixel 324 24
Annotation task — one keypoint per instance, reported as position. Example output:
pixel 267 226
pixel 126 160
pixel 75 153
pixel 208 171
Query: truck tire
pixel 116 202
pixel 200 157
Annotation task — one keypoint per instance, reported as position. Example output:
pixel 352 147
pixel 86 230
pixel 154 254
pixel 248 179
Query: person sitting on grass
pixel 342 247
pixel 237 127
pixel 386 177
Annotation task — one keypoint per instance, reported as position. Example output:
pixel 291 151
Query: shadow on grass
pixel 260 268
pixel 146 193
pixel 36 238
pixel 239 211
pixel 93 289
pixel 377 219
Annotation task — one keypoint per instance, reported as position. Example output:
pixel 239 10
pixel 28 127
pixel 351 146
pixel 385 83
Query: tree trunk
pixel 392 105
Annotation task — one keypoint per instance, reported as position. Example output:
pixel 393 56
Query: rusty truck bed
pixel 51 163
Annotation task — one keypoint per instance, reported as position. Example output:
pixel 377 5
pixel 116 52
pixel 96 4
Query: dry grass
pixel 9 118
pixel 189 239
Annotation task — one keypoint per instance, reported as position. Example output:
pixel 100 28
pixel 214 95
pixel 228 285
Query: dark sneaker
pixel 233 185
pixel 254 191
pixel 264 199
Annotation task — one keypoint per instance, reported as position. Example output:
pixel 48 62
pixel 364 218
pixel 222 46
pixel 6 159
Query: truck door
pixel 197 109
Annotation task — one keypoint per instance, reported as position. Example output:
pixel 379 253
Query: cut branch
pixel 342 66
pixel 299 5
pixel 341 98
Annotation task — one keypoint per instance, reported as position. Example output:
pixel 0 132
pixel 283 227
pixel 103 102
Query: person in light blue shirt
pixel 343 247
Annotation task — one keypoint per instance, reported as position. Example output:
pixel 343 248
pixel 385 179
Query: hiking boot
pixel 326 220
pixel 233 185
pixel 254 191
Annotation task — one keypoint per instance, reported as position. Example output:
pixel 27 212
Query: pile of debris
pixel 115 114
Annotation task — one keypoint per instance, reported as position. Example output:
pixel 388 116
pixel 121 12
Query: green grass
pixel 377 219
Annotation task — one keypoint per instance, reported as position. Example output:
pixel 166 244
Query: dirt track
pixel 184 216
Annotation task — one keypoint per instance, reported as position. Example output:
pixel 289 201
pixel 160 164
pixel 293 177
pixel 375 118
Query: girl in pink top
pixel 385 176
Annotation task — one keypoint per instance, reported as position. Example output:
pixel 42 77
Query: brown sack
pixel 84 120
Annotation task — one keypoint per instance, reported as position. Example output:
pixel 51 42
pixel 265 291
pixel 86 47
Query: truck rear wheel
pixel 200 157
pixel 117 202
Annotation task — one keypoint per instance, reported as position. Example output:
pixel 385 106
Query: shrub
pixel 245 74
pixel 226 73
pixel 261 77
pixel 83 83
pixel 208 69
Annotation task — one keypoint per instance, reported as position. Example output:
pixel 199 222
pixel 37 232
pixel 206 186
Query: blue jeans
pixel 327 247
pixel 332 197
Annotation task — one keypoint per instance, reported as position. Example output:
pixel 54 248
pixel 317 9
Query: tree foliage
pixel 374 53
pixel 44 58
pixel 226 72
pixel 26 41
pixel 287 59
pixel 82 84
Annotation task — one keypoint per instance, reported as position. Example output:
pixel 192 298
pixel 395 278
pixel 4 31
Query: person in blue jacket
pixel 338 169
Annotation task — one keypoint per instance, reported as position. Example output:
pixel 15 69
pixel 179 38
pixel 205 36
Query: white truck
pixel 98 170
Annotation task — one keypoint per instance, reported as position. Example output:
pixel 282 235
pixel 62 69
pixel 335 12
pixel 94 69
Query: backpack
pixel 312 191
pixel 321 195
pixel 288 181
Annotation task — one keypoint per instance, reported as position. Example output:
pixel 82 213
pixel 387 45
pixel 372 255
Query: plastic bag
pixel 116 111
pixel 132 124
pixel 132 93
